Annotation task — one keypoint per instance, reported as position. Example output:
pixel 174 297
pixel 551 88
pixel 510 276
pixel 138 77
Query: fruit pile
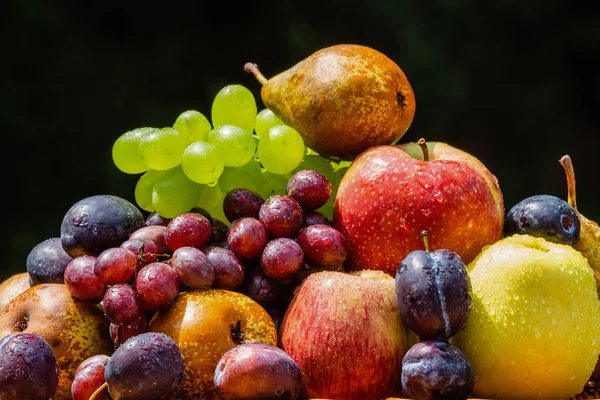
pixel 301 252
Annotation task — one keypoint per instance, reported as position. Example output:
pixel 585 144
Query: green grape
pixel 161 149
pixel 193 125
pixel 271 184
pixel 237 145
pixel 174 193
pixel 319 164
pixel 144 187
pixel 265 120
pixel 202 162
pixel 234 105
pixel 216 212
pixel 125 151
pixel 212 195
pixel 247 176
pixel 281 150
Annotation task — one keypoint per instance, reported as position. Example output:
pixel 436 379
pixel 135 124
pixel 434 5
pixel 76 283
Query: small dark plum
pixel 96 223
pixel 433 292
pixel 544 216
pixel 435 369
pixel 253 371
pixel 152 360
pixel 28 368
pixel 47 261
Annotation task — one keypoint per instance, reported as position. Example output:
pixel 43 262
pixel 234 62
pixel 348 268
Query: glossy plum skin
pixel 88 377
pixel 323 245
pixel 240 202
pixel 247 237
pixel 253 371
pixel 148 366
pixel 96 223
pixel 434 369
pixel 47 261
pixel 544 216
pixel 311 189
pixel 281 215
pixel 28 368
pixel 433 292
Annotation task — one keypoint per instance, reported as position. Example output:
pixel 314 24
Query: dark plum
pixel 193 267
pixel 188 229
pixel 323 245
pixel 240 203
pixel 257 371
pixel 155 233
pixel 47 261
pixel 281 259
pixel 229 270
pixel 88 377
pixel 156 285
pixel 145 250
pixel 544 216
pixel 115 265
pixel 281 215
pixel 310 188
pixel 28 368
pixel 151 360
pixel 314 218
pixel 81 281
pixel 433 369
pixel 433 292
pixel 120 304
pixel 155 218
pixel 99 222
pixel 247 237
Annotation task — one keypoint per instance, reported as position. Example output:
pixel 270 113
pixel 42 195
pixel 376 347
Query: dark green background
pixel 515 83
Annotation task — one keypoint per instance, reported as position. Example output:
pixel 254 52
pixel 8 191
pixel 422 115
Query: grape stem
pixel 102 387
pixel 567 164
pixel 425 240
pixel 253 69
pixel 421 142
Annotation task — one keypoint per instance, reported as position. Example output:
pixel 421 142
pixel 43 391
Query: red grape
pixel 247 237
pixel 314 218
pixel 281 215
pixel 81 281
pixel 120 305
pixel 155 218
pixel 193 267
pixel 311 189
pixel 229 270
pixel 156 285
pixel 323 245
pixel 188 229
pixel 145 250
pixel 128 330
pixel 281 259
pixel 260 287
pixel 88 377
pixel 156 233
pixel 240 202
pixel 115 265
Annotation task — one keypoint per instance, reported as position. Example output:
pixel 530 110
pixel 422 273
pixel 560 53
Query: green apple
pixel 534 329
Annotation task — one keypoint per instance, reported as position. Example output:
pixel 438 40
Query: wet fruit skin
pixel 47 261
pixel 544 216
pixel 434 369
pixel 258 371
pixel 433 292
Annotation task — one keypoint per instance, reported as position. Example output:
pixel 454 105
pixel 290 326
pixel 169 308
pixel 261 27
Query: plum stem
pixel 253 69
pixel 421 142
pixel 567 165
pixel 101 388
pixel 425 240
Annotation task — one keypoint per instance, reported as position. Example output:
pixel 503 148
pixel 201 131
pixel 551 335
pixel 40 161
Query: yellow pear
pixel 13 286
pixel 342 99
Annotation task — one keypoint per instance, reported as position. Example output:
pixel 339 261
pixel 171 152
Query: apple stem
pixel 253 69
pixel 421 142
pixel 567 164
pixel 101 388
pixel 425 240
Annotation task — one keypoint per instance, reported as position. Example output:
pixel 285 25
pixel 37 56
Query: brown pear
pixel 12 287
pixel 342 99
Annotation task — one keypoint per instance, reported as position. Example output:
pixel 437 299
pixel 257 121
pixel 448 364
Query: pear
pixel 342 99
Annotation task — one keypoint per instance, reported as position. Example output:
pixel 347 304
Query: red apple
pixel 390 194
pixel 346 334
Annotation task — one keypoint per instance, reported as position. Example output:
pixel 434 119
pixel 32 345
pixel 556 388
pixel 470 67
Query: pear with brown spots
pixel 206 323
pixel 342 99
pixel 75 330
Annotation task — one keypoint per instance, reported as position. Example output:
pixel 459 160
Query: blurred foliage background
pixel 514 83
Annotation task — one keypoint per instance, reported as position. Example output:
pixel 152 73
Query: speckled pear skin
pixel 343 99
pixel 534 329
pixel 200 322
pixel 75 330
pixel 589 245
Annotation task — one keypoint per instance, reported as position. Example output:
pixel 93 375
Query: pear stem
pixel 567 164
pixel 421 142
pixel 253 69
pixel 425 240
pixel 101 388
